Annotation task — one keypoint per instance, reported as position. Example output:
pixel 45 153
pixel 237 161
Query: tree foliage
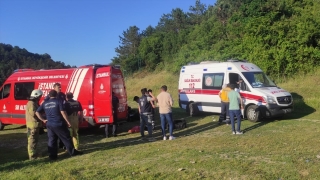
pixel 280 36
pixel 12 58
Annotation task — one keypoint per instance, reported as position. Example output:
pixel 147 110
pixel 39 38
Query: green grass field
pixel 285 148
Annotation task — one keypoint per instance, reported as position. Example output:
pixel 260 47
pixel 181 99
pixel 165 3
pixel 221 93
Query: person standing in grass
pixel 145 108
pixel 61 97
pixel 57 125
pixel 153 108
pixel 33 123
pixel 75 115
pixel 234 109
pixel 115 105
pixel 165 103
pixel 223 94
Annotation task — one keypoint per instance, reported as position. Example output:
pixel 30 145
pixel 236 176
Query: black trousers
pixel 114 126
pixel 61 132
pixel 114 129
pixel 224 115
pixel 60 143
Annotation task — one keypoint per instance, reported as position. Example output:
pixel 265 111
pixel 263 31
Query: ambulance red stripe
pixel 216 92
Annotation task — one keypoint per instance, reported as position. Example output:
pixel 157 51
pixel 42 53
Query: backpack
pixel 224 95
pixel 178 124
pixel 72 107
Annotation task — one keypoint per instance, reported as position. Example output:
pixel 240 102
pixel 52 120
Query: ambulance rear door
pixel 103 96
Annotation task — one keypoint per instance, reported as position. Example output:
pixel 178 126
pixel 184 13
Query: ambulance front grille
pixel 284 100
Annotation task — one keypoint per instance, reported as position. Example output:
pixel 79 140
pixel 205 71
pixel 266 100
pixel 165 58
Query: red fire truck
pixel 92 85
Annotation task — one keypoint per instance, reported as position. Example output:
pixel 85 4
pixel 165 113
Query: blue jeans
pixel 236 113
pixel 166 118
pixel 146 119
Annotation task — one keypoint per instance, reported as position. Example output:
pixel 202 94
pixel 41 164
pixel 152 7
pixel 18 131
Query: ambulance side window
pixel 5 91
pixel 23 90
pixel 212 81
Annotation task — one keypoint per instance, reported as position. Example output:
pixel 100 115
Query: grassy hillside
pixel 305 91
pixel 274 149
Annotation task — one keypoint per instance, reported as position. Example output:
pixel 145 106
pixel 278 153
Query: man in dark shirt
pixel 57 125
pixel 145 109
pixel 115 105
pixel 61 97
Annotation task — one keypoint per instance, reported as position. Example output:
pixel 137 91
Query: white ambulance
pixel 200 84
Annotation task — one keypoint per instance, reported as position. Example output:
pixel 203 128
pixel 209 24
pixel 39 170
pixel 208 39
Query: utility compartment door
pixel 103 96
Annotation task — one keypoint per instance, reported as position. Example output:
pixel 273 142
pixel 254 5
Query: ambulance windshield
pixel 258 79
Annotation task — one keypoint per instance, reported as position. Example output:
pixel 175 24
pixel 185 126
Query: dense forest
pixel 280 36
pixel 12 58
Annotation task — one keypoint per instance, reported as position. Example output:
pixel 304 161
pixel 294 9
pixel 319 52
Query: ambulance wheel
pixel 253 113
pixel 193 109
pixel 1 126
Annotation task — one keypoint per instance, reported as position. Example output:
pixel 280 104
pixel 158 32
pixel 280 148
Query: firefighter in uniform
pixel 75 115
pixel 33 123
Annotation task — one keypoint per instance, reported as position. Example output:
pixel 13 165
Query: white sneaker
pixel 233 132
pixel 164 138
pixel 239 132
pixel 171 138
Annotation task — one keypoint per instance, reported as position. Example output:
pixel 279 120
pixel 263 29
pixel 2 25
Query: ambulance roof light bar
pixel 236 60
pixel 193 63
pixel 208 62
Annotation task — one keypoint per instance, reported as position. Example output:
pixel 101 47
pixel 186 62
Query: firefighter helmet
pixel 36 93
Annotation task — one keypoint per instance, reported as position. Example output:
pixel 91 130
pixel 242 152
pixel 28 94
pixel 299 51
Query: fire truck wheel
pixel 1 126
pixel 253 113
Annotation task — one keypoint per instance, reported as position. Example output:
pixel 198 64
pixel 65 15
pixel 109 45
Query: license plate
pixel 104 119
